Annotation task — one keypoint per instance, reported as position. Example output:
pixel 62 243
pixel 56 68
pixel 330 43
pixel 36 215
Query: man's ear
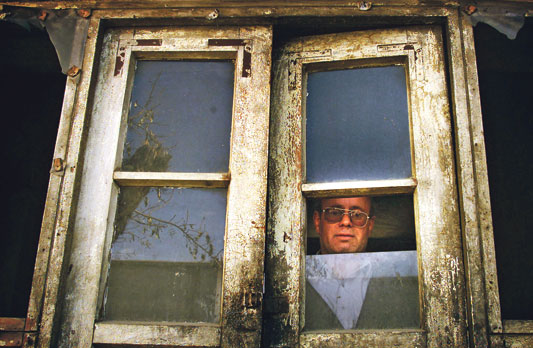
pixel 316 221
pixel 371 225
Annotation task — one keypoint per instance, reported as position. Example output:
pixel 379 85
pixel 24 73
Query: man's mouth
pixel 344 235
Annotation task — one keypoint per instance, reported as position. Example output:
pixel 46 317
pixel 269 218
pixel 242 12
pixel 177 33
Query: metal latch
pixel 251 299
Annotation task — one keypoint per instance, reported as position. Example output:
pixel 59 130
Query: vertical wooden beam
pixel 68 147
pixel 488 254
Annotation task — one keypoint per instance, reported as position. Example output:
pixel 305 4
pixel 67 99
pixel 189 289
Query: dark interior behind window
pixel 32 88
pixel 505 78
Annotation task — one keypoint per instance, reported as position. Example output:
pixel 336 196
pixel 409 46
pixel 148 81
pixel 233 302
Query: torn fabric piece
pixel 505 21
pixel 68 33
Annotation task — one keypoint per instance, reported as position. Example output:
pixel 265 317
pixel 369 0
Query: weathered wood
pixel 244 250
pixel 266 12
pixel 12 324
pixel 518 326
pixel 458 30
pixel 201 180
pixel 46 236
pixel 11 339
pixel 121 4
pixel 518 341
pixel 29 340
pixel 246 210
pixel 155 334
pixel 69 141
pixel 436 209
pixel 365 338
pixel 359 188
pixel 487 276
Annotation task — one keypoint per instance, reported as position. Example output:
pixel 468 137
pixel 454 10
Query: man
pixel 344 224
pixel 341 292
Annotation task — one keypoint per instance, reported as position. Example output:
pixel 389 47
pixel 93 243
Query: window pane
pixel 357 125
pixel 362 291
pixel 166 257
pixel 180 117
pixel 361 274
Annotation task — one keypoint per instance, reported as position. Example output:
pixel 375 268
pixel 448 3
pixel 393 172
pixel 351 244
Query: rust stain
pixel 58 164
pixel 246 64
pixel 84 13
pixel 42 15
pixel 225 42
pixel 73 71
pixel 119 63
pixel 149 42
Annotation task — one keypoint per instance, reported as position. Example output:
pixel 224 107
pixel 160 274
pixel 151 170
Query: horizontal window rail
pixel 190 180
pixel 359 188
pixel 364 338
pixel 157 334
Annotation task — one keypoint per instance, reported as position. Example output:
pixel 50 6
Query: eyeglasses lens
pixel 335 215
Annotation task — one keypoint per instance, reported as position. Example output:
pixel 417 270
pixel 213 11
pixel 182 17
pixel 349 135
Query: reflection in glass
pixel 180 117
pixel 166 256
pixel 362 291
pixel 357 125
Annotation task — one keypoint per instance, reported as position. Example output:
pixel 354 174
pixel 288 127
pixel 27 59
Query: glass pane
pixel 361 267
pixel 357 125
pixel 393 229
pixel 166 256
pixel 180 117
pixel 362 291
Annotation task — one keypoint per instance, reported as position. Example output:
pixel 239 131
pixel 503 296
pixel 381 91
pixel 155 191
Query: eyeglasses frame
pixel 348 212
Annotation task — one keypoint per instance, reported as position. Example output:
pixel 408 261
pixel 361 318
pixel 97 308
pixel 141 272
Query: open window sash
pixel 440 269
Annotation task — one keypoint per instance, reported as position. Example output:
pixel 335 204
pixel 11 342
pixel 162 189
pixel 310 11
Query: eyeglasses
pixel 334 215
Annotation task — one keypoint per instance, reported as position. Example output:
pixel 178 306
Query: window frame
pixel 482 303
pixel 246 182
pixel 420 51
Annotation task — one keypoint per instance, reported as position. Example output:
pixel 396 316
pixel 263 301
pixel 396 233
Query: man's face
pixel 343 236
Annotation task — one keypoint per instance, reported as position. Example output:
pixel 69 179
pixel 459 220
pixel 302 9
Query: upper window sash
pixel 250 48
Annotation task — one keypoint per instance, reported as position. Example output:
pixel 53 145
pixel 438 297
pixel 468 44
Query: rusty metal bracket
pixel 121 51
pixel 251 299
pixel 247 53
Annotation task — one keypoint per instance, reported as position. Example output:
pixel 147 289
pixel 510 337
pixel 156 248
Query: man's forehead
pixel 347 202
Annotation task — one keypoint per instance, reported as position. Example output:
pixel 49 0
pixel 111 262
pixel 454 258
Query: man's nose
pixel 346 221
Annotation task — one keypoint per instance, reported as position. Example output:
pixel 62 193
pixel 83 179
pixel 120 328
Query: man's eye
pixel 335 212
pixel 358 214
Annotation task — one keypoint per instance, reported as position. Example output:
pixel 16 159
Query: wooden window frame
pixel 52 263
pixel 420 51
pixel 250 48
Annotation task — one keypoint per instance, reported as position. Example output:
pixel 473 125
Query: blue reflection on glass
pixel 180 117
pixel 170 224
pixel 357 125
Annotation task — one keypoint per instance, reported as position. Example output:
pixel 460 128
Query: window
pixel 163 250
pixel 127 236
pixel 422 165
